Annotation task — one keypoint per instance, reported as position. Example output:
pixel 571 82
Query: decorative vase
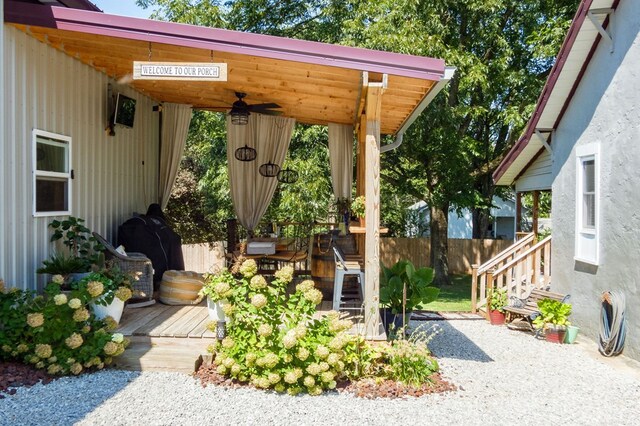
pixel 113 310
pixel 554 334
pixel 496 317
pixel 571 334
pixel 215 310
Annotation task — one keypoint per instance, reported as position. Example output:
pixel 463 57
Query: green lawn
pixel 453 298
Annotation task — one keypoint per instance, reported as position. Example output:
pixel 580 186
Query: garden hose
pixel 612 325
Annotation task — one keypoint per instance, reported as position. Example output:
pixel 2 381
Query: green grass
pixel 453 298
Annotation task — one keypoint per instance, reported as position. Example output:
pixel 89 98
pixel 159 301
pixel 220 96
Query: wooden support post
pixel 489 291
pixel 536 205
pixel 372 212
pixel 474 289
pixel 518 212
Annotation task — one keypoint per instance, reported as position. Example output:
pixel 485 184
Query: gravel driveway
pixel 504 377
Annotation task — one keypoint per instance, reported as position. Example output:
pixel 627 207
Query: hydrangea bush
pixel 273 340
pixel 57 331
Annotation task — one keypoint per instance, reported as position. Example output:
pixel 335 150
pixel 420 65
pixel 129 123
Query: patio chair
pixel 343 269
pixel 134 264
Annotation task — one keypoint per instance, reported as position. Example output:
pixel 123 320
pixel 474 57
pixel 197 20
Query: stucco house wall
pixel 114 176
pixel 605 111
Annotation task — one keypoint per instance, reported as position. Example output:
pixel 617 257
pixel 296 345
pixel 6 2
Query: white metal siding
pixel 48 90
pixel 538 176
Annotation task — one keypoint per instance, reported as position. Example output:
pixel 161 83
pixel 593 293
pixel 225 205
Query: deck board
pixel 160 322
pixel 200 328
pixel 185 323
pixel 132 319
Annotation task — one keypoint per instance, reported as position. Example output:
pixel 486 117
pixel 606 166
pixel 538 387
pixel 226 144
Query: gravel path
pixel 504 377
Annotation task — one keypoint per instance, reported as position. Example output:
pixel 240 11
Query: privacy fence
pixel 462 253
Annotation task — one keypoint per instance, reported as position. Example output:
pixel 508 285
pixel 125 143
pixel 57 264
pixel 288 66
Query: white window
pixel 51 174
pixel 587 194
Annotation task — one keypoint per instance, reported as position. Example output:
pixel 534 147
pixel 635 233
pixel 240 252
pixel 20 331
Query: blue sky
pixel 122 7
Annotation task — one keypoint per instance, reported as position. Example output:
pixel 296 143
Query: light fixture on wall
pixel 246 153
pixel 287 176
pixel 269 169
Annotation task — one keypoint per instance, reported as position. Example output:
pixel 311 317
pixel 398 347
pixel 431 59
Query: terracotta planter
pixel 496 317
pixel 555 335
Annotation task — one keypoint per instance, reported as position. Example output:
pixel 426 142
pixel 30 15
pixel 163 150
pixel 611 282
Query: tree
pixel 503 51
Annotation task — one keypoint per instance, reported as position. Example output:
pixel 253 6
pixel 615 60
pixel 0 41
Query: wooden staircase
pixel 519 268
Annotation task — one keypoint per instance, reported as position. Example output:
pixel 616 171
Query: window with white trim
pixel 587 193
pixel 51 174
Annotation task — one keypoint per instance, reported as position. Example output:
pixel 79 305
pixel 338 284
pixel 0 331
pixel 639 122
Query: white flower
pixel 117 337
pixel 75 303
pixel 57 279
pixel 60 299
pixel 258 300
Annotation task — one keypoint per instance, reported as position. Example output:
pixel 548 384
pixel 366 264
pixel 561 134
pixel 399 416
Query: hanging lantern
pixel 239 111
pixel 246 153
pixel 269 169
pixel 287 176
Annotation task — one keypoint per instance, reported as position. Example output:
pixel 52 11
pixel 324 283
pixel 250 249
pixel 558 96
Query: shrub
pixel 56 331
pixel 273 341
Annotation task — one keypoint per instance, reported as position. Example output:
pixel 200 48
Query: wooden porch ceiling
pixel 311 93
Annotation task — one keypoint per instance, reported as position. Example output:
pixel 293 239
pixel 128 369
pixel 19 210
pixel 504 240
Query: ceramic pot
pixel 215 310
pixel 113 310
pixel 571 334
pixel 496 317
pixel 555 334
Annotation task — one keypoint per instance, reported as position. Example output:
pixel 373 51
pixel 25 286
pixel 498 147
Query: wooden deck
pixel 175 338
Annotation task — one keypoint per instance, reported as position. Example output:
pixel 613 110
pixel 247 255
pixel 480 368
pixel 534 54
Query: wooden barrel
pixel 323 266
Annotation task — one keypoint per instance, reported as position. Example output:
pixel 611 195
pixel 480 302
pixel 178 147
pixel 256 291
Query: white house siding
pixel 48 90
pixel 538 175
pixel 604 110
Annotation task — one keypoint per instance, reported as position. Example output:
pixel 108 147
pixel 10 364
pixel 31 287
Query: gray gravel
pixel 504 377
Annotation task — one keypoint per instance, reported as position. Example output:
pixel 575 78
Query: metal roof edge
pixel 547 90
pixel 225 40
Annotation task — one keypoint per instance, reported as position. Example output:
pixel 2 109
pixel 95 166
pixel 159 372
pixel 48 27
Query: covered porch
pixel 378 93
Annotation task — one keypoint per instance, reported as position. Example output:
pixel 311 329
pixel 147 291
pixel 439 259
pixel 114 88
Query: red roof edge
pixel 81 4
pixel 225 40
pixel 511 156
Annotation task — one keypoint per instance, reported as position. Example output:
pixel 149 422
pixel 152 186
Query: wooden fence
pixel 462 253
pixel 203 258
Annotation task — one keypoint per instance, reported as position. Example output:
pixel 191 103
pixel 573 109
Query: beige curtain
pixel 175 125
pixel 341 158
pixel 251 192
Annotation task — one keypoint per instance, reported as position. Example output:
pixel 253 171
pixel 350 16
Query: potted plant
pixel 106 291
pixel 81 252
pixel 553 319
pixel 402 289
pixel 217 287
pixel 497 302
pixel 358 208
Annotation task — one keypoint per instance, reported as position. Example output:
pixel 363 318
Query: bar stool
pixel 344 268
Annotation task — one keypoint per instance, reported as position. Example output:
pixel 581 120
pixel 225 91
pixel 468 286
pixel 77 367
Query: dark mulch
pixel 14 375
pixel 367 388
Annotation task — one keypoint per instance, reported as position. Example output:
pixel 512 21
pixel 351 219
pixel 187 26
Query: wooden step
pixel 163 354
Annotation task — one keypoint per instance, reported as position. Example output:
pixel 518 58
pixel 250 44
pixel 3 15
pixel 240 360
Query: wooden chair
pixel 136 264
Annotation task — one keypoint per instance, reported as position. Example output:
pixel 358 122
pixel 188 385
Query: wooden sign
pixel 193 71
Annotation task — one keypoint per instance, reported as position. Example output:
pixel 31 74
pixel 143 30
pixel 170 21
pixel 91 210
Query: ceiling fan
pixel 240 110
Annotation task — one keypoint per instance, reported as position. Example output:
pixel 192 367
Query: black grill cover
pixel 152 236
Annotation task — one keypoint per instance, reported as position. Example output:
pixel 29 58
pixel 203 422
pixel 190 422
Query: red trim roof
pixel 224 40
pixel 578 19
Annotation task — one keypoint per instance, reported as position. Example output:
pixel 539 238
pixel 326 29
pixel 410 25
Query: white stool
pixel 344 268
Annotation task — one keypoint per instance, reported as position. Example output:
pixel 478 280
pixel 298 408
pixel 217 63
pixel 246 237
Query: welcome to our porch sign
pixel 192 71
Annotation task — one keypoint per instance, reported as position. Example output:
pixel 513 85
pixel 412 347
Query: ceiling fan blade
pixel 264 106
